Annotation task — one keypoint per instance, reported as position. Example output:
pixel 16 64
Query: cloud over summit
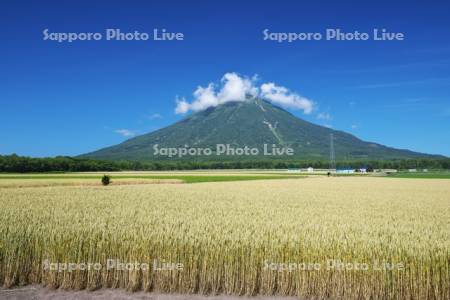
pixel 283 97
pixel 234 87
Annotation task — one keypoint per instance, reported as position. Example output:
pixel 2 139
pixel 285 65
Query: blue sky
pixel 72 98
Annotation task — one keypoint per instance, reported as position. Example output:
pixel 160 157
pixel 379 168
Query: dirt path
pixel 38 292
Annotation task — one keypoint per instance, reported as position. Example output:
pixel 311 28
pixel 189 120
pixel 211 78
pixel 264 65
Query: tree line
pixel 21 164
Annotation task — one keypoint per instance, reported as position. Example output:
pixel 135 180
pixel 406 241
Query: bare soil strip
pixel 36 292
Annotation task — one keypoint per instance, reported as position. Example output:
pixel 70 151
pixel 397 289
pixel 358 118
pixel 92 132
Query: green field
pixel 185 178
pixel 423 175
pixel 210 175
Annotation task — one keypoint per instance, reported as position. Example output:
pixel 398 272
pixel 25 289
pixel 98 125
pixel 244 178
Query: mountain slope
pixel 252 123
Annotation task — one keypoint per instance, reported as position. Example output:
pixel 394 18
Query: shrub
pixel 106 179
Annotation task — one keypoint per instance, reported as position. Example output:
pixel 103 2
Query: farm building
pixel 310 170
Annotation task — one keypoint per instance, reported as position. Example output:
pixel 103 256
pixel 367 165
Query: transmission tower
pixel 332 154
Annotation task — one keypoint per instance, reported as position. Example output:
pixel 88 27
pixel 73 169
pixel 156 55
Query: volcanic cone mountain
pixel 250 123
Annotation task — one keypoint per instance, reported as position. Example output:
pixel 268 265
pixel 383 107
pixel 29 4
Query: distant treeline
pixel 21 164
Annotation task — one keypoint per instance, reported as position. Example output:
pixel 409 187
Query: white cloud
pixel 324 116
pixel 204 98
pixel 236 88
pixel 233 88
pixel 125 132
pixel 284 97
pixel 182 106
pixel 354 126
pixel 155 116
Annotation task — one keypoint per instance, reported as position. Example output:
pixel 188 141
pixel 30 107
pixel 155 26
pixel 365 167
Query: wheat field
pixel 241 238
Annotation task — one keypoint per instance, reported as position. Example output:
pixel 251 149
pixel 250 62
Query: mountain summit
pixel 252 123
